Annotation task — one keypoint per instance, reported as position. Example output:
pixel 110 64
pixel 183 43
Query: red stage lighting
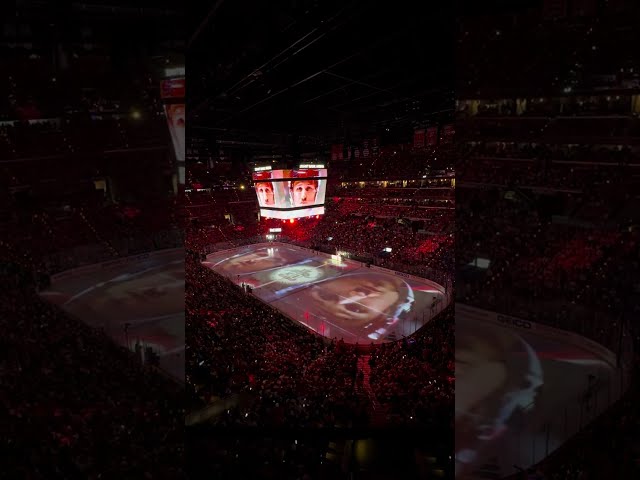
pixel 292 220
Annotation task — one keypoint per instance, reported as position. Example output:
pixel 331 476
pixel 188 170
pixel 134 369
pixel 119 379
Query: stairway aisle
pixel 106 243
pixel 378 413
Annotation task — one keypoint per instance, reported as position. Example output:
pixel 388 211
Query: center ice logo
pixel 295 275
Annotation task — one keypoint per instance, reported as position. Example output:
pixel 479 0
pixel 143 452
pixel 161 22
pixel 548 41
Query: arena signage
pixel 564 336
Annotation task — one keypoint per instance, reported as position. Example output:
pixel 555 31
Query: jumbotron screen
pixel 286 194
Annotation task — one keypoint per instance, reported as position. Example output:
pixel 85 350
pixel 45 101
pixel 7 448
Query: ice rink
pixel 522 390
pixel 146 291
pixel 333 296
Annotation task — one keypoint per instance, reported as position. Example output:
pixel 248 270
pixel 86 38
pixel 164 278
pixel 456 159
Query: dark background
pixel 294 76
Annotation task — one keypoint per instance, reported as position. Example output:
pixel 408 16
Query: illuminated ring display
pixel 296 275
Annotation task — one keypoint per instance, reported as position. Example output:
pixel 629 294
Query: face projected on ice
pixel 265 193
pixel 144 295
pixel 480 371
pixel 304 192
pixel 358 299
pixel 497 376
pixel 253 262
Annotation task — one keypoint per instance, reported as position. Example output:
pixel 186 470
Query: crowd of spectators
pixel 573 278
pixel 544 269
pixel 54 238
pixel 416 210
pixel 598 129
pixel 607 448
pixel 396 162
pixel 315 455
pixel 207 208
pixel 412 250
pixel 546 185
pixel 75 404
pixel 281 374
pixel 414 378
pixel 84 147
pixel 218 456
pixel 238 344
pixel 420 237
pixel 546 224
pixel 435 190
pixel 66 135
pixel 572 168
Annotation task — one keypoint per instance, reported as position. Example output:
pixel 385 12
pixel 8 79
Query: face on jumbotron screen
pixel 286 194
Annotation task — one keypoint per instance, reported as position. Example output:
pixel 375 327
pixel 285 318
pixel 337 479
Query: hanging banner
pixel 172 88
pixel 172 92
pixel 337 152
pixel 447 134
pixel 175 120
pixel 432 136
pixel 418 138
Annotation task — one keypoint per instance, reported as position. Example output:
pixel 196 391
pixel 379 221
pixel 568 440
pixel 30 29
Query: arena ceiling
pixel 311 68
pixel 125 28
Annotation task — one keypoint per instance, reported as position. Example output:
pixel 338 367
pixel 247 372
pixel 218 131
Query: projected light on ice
pixel 295 275
pixel 337 261
pixel 332 295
